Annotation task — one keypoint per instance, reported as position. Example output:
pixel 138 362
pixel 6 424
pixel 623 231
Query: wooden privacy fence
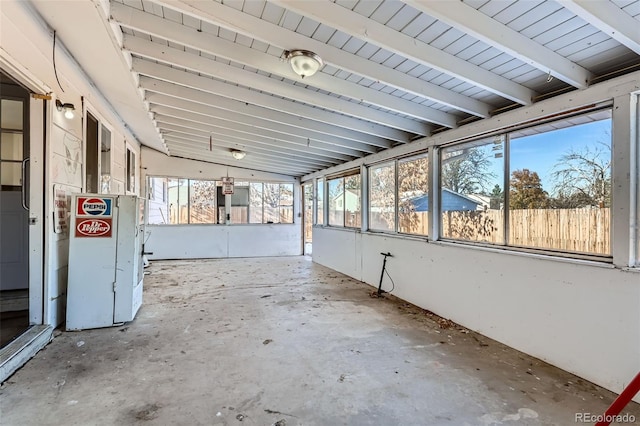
pixel 586 230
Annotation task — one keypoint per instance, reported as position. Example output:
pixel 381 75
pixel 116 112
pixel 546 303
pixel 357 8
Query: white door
pixel 14 194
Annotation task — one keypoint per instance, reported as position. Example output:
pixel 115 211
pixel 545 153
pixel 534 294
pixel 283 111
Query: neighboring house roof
pixel 484 200
pixel 450 201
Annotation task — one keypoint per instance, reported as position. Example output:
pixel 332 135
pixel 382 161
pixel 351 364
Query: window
pixel 13 146
pixel 413 201
pixel 352 199
pixel 105 160
pixel 91 164
pixel 131 170
pixel 344 201
pixel 97 156
pixel 472 178
pixel 320 202
pixel 336 202
pixel 240 202
pixel 202 201
pixel 560 185
pixel 382 197
pixel 255 203
pixel 398 196
pixel 158 212
pixel 307 206
pixel 271 202
pixel 178 201
pixel 541 187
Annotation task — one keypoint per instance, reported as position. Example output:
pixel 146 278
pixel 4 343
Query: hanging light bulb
pixel 68 109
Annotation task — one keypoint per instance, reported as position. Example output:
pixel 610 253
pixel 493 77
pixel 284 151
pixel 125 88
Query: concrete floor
pixel 283 341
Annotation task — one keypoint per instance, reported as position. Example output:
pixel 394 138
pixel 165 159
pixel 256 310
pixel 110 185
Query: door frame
pixel 39 110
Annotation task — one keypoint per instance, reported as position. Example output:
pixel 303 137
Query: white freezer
pixel 105 261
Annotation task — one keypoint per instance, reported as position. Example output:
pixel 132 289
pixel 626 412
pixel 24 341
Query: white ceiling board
pixel 394 70
pixel 273 34
pixel 608 18
pixel 430 56
pixel 484 28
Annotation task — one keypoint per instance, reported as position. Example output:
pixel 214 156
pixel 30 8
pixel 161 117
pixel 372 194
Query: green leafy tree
pixel 526 191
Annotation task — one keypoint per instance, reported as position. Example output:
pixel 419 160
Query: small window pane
pixel 255 203
pixel 10 174
pixel 202 208
pixel 336 202
pixel 271 199
pixel 413 201
pixel 11 145
pixel 352 201
pixel 471 175
pixel 560 185
pixel 240 203
pixel 11 114
pixel 178 201
pixel 308 211
pixel 320 202
pixel 286 203
pixel 382 197
pixel 158 208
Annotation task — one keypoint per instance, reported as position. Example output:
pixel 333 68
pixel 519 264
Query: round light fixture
pixel 237 154
pixel 303 62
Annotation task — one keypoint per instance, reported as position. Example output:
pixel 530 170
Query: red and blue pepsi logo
pixel 94 206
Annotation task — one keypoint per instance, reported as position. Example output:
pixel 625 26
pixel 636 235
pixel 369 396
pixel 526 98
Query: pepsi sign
pixel 94 206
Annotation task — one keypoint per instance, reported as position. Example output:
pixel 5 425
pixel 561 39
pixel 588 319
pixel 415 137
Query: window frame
pixel 506 133
pixel 220 218
pixel 424 153
pixel 342 176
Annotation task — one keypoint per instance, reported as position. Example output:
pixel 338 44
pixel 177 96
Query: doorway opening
pixel 14 210
pixel 307 218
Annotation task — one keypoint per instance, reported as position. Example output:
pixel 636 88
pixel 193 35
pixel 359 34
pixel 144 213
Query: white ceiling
pixel 212 75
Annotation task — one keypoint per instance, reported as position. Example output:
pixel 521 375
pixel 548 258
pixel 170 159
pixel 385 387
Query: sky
pixel 540 153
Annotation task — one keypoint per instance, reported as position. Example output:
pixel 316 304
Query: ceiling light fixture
pixel 67 108
pixel 303 62
pixel 237 154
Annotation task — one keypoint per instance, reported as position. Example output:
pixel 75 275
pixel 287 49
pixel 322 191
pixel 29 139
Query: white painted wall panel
pixel 221 241
pixel 338 249
pixel 186 241
pixel 579 316
pixel 265 240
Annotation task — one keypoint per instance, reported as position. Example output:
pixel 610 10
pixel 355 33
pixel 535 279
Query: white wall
pixel 218 241
pixel 582 317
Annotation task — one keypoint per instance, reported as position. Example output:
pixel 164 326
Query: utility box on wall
pixel 105 260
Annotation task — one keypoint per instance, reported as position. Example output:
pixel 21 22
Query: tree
pixel 202 201
pixel 467 171
pixel 584 176
pixel 526 191
pixel 497 198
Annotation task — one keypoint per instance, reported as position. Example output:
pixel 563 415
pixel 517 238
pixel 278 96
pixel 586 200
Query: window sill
pixel 532 253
